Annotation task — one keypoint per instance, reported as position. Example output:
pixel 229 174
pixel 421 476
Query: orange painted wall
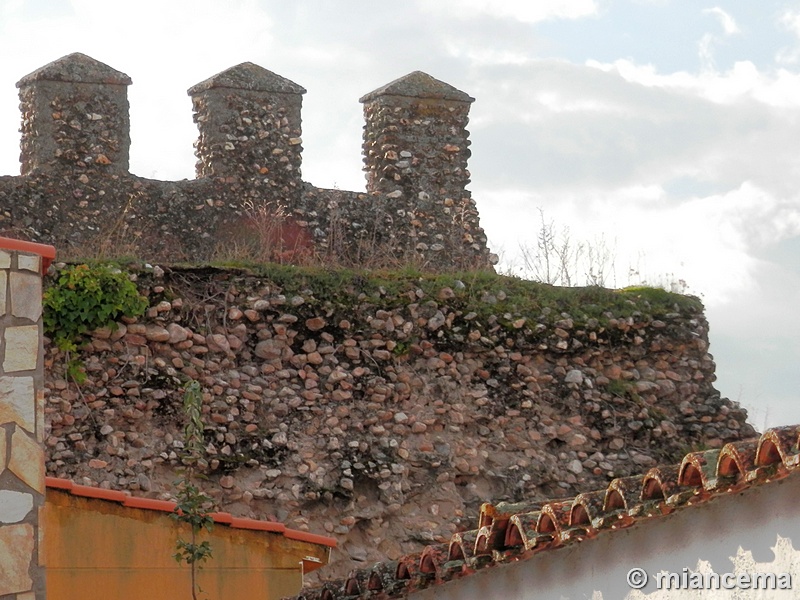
pixel 98 549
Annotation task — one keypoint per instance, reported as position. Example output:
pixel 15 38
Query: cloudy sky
pixel 667 131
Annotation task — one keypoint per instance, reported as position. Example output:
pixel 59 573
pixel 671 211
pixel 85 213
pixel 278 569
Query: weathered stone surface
pixel 315 323
pixel 18 402
pixel 16 553
pixel 5 259
pixel 155 333
pixel 3 456
pixel 269 349
pixel 29 262
pixel 176 333
pixel 27 460
pixel 217 342
pixel 21 348
pixel 14 506
pixel 3 288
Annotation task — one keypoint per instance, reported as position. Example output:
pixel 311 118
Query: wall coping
pixel 48 253
pixel 221 518
pixel 248 76
pixel 76 68
pixel 418 84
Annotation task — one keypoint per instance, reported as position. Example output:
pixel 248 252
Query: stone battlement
pixel 75 189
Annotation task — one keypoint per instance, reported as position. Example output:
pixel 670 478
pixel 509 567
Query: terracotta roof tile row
pixel 508 532
pixel 221 518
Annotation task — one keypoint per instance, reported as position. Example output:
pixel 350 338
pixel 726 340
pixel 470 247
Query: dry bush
pixel 558 259
pixel 266 234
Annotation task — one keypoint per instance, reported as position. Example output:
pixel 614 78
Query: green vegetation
pixel 83 298
pixel 193 507
pixel 622 389
pixel 482 292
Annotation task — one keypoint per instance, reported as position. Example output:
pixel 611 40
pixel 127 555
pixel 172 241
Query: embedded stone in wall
pixel 3 280
pixel 5 260
pixel 22 348
pixel 14 506
pixel 29 262
pixel 2 450
pixel 17 402
pixel 40 425
pixel 26 294
pixel 27 460
pixel 16 548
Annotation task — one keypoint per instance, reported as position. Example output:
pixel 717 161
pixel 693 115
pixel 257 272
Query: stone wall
pixel 383 412
pixel 75 189
pixel 21 419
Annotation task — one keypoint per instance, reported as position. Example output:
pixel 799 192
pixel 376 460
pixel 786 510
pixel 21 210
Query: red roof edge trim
pixel 58 484
pixel 311 538
pixel 149 504
pixel 221 518
pixel 240 523
pixel 99 493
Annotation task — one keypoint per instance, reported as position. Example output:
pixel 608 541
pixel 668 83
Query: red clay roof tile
pixel 512 532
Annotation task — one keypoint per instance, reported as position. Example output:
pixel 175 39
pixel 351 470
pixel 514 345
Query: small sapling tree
pixel 193 505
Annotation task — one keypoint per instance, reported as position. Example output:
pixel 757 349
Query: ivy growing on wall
pixel 83 298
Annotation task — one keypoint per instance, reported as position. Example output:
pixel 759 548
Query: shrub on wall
pixel 84 298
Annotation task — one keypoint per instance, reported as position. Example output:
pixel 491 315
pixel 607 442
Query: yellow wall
pixel 99 549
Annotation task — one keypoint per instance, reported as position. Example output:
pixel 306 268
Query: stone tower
pixel 75 117
pixel 249 122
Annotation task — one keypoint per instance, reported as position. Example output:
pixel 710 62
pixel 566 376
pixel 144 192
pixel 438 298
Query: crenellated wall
pixel 75 189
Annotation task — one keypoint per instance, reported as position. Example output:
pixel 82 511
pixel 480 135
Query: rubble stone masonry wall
pixel 75 189
pixel 382 415
pixel 21 421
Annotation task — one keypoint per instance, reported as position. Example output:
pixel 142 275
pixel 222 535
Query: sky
pixel 664 132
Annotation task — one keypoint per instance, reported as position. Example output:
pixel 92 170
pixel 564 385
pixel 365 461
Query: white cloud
pixel 705 47
pixel 555 102
pixel 709 242
pixel 525 11
pixel 728 23
pixel 790 55
pixel 481 55
pixel 791 21
pixel 777 88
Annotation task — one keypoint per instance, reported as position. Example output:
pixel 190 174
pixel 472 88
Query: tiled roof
pixel 221 518
pixel 508 533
